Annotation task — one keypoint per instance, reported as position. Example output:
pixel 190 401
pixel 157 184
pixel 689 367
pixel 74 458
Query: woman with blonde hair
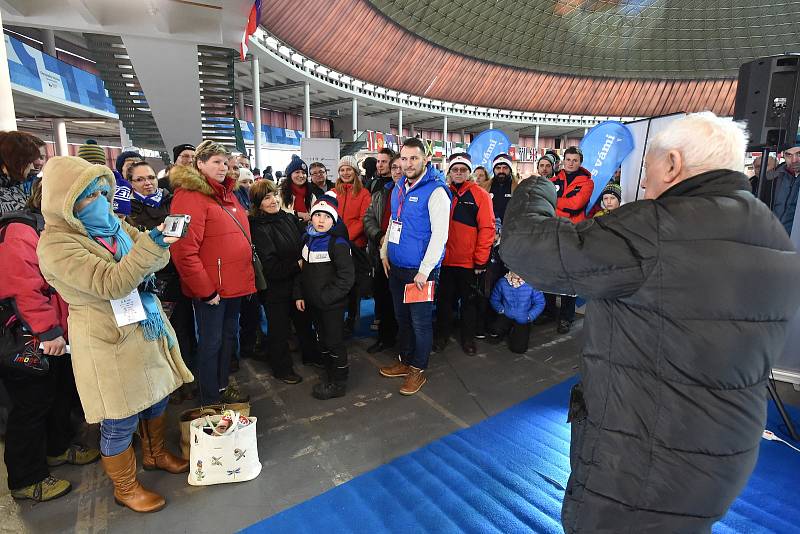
pixel 125 364
pixel 215 264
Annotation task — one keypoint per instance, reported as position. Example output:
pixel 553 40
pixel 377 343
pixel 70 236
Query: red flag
pixel 252 26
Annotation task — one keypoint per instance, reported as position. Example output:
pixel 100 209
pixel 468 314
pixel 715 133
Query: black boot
pixel 335 384
pixel 349 327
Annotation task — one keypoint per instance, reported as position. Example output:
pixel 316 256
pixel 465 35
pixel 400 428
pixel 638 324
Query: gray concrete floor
pixel 308 446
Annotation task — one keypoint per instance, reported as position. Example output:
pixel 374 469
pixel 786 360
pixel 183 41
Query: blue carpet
pixel 507 474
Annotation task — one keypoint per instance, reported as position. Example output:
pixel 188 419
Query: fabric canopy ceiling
pixel 619 38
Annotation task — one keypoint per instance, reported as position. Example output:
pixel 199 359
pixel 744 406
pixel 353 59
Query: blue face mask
pixel 98 219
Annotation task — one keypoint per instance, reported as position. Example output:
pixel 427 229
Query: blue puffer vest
pixel 416 233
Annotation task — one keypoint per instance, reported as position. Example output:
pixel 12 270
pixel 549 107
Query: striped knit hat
pixel 92 152
pixel 613 188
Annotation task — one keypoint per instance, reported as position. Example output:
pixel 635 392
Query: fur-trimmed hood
pixel 64 178
pixel 190 179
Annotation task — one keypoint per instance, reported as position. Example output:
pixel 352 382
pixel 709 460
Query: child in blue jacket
pixel 517 305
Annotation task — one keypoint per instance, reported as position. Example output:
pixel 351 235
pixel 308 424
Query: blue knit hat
pixel 296 164
pixel 125 155
pixel 122 196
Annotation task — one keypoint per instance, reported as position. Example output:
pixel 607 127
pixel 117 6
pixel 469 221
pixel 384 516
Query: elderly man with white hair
pixel 690 291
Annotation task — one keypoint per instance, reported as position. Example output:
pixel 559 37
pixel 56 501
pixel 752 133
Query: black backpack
pixel 361 263
pixel 19 349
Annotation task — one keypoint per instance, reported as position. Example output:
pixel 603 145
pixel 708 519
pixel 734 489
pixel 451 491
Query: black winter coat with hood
pixel 690 295
pixel 328 272
pixel 278 238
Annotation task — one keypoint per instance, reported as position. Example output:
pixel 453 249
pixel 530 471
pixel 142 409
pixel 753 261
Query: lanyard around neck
pixel 111 247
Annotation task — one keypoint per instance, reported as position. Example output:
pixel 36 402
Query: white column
pixel 400 122
pixel 60 137
pixel 355 119
pixel 463 135
pixel 8 120
pixel 257 112
pixel 124 140
pixel 585 131
pixel 444 131
pixel 491 125
pixel 536 141
pixel 307 110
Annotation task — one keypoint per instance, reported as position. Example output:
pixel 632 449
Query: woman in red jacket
pixel 38 433
pixel 215 264
pixel 354 200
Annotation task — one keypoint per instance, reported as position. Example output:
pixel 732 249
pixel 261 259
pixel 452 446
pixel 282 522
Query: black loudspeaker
pixel 767 98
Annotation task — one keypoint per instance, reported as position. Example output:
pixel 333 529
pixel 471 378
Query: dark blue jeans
pixel 217 332
pixel 414 321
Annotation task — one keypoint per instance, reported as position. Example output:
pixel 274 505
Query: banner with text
pixel 604 148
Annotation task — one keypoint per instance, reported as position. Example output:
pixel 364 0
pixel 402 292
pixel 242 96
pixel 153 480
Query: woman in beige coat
pixel 123 373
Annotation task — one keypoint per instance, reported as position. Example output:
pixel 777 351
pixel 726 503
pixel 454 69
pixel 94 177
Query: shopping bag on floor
pixel 222 456
pixel 188 416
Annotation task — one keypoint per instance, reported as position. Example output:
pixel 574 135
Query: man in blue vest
pixel 412 254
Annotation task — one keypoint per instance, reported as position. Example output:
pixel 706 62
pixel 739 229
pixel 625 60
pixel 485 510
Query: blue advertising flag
pixel 604 148
pixel 485 146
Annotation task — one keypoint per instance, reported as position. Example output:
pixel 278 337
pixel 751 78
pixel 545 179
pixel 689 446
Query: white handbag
pixel 223 458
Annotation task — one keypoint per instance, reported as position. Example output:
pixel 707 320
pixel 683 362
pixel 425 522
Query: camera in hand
pixel 176 225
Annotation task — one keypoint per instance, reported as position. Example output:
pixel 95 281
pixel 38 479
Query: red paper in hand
pixel 412 294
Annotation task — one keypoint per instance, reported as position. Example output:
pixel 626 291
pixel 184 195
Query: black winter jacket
pixel 278 239
pixel 328 272
pixel 146 218
pixel 373 217
pixel 690 295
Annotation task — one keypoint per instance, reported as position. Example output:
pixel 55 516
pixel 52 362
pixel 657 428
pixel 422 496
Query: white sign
pixel 632 174
pixel 129 310
pixel 325 151
pixel 789 363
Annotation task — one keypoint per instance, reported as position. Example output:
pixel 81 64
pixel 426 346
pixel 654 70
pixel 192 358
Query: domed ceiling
pixel 619 38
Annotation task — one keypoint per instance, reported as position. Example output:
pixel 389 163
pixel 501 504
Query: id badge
pixel 395 229
pixel 128 310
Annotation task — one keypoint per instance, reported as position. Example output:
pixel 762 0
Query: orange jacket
pixel 471 227
pixel 573 197
pixel 352 209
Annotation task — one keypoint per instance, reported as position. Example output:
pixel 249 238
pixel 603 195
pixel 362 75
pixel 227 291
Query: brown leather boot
pixel 121 469
pixel 394 370
pixel 154 450
pixel 414 380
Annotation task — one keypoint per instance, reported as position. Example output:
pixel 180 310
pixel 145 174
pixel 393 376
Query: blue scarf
pixel 100 222
pixel 313 233
pixel 153 201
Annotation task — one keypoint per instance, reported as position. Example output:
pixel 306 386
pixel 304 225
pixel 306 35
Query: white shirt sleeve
pixel 385 246
pixel 439 212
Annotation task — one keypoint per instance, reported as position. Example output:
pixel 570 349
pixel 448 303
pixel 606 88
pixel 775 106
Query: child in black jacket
pixel 322 287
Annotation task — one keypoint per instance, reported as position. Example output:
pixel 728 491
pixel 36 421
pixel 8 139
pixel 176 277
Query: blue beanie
pixel 296 164
pixel 122 196
pixel 125 155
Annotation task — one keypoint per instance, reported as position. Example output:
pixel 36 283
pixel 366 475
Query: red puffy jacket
pixel 471 227
pixel 214 257
pixel 37 304
pixel 573 197
pixel 352 210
